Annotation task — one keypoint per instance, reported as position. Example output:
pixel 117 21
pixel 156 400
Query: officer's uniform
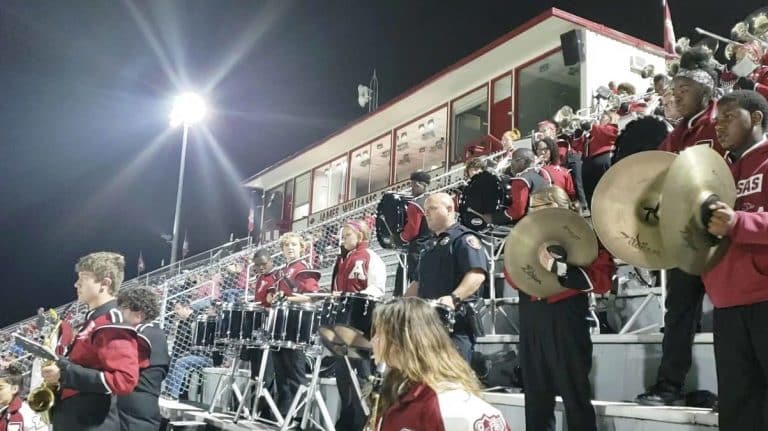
pixel 442 267
pixel 140 411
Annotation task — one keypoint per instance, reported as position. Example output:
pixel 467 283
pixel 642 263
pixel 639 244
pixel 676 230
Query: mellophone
pixel 342 323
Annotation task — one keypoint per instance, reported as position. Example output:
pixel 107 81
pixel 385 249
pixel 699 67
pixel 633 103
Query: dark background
pixel 86 155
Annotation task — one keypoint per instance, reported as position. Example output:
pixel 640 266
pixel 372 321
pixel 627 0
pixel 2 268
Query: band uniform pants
pixel 351 415
pixel 556 358
pixel 290 374
pixel 592 170
pixel 685 294
pixel 741 360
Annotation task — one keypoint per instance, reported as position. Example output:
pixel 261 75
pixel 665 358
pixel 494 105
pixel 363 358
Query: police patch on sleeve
pixel 473 242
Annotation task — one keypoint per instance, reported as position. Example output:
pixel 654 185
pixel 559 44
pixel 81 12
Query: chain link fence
pixel 224 275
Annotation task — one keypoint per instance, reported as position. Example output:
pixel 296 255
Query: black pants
pixel 290 374
pixel 592 170
pixel 741 358
pixel 412 259
pixel 574 164
pixel 685 293
pixel 254 357
pixel 352 417
pixel 555 358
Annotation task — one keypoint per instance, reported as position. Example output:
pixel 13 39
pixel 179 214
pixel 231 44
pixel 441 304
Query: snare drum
pixel 292 326
pixel 241 323
pixel 445 313
pixel 354 318
pixel 204 335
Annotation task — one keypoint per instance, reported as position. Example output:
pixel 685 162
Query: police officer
pixel 453 270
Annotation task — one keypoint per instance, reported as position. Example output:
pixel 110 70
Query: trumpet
pixel 42 398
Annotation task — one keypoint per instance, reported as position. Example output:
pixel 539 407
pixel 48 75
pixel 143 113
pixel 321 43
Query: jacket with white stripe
pixel 101 362
pixel 140 411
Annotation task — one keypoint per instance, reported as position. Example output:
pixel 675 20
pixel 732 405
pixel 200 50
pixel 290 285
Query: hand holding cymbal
pixel 696 181
pixel 547 227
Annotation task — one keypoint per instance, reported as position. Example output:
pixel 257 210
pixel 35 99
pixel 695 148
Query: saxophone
pixel 376 383
pixel 42 398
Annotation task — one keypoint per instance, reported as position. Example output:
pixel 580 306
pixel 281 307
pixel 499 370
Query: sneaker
pixel 662 394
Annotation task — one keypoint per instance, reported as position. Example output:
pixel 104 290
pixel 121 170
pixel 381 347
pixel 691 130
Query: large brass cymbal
pixel 547 226
pixel 625 209
pixel 696 174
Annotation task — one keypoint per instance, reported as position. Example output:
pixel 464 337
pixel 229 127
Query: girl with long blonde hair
pixel 428 383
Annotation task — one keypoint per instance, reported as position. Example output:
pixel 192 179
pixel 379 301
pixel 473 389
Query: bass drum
pixel 391 217
pixel 485 193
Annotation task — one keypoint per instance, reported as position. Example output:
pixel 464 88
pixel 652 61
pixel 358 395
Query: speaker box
pixel 572 44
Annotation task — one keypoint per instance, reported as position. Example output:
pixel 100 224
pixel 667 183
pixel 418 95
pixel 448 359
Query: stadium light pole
pixel 188 109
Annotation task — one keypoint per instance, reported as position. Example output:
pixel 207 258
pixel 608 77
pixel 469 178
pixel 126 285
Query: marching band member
pixel 525 180
pixel 597 152
pixel 427 386
pixel 453 270
pixel 472 167
pixel 295 278
pixel 508 140
pixel 546 151
pixel 267 276
pixel 737 284
pixel 415 232
pixel 357 270
pixel 102 362
pixel 693 89
pixel 555 344
pixel 15 414
pixel 140 410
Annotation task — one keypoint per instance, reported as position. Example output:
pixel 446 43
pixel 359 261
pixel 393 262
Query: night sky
pixel 86 155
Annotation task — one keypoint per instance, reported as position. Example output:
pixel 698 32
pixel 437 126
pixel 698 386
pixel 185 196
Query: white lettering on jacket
pixel 751 185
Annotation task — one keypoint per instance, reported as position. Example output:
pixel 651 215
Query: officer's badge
pixel 473 242
pixel 445 240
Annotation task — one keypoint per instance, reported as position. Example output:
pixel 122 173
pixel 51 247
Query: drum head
pixel 390 220
pixel 485 193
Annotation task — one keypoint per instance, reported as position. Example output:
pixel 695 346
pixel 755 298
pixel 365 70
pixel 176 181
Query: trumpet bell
pixel 760 25
pixel 739 31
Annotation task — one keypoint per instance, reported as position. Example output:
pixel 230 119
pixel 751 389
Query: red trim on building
pixel 552 12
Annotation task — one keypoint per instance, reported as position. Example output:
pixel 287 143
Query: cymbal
pixel 625 205
pixel 547 226
pixel 696 174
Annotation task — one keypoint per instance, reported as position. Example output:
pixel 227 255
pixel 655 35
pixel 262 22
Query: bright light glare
pixel 188 109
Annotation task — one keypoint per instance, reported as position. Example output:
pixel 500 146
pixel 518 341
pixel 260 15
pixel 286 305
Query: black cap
pixel 421 177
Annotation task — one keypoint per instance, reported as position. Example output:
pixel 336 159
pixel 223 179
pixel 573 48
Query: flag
pixel 140 267
pixel 185 246
pixel 251 220
pixel 669 30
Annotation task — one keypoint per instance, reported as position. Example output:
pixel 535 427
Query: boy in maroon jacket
pixel 738 284
pixel 102 362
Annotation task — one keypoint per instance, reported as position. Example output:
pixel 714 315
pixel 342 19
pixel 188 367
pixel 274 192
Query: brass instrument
pixel 377 381
pixel 42 398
